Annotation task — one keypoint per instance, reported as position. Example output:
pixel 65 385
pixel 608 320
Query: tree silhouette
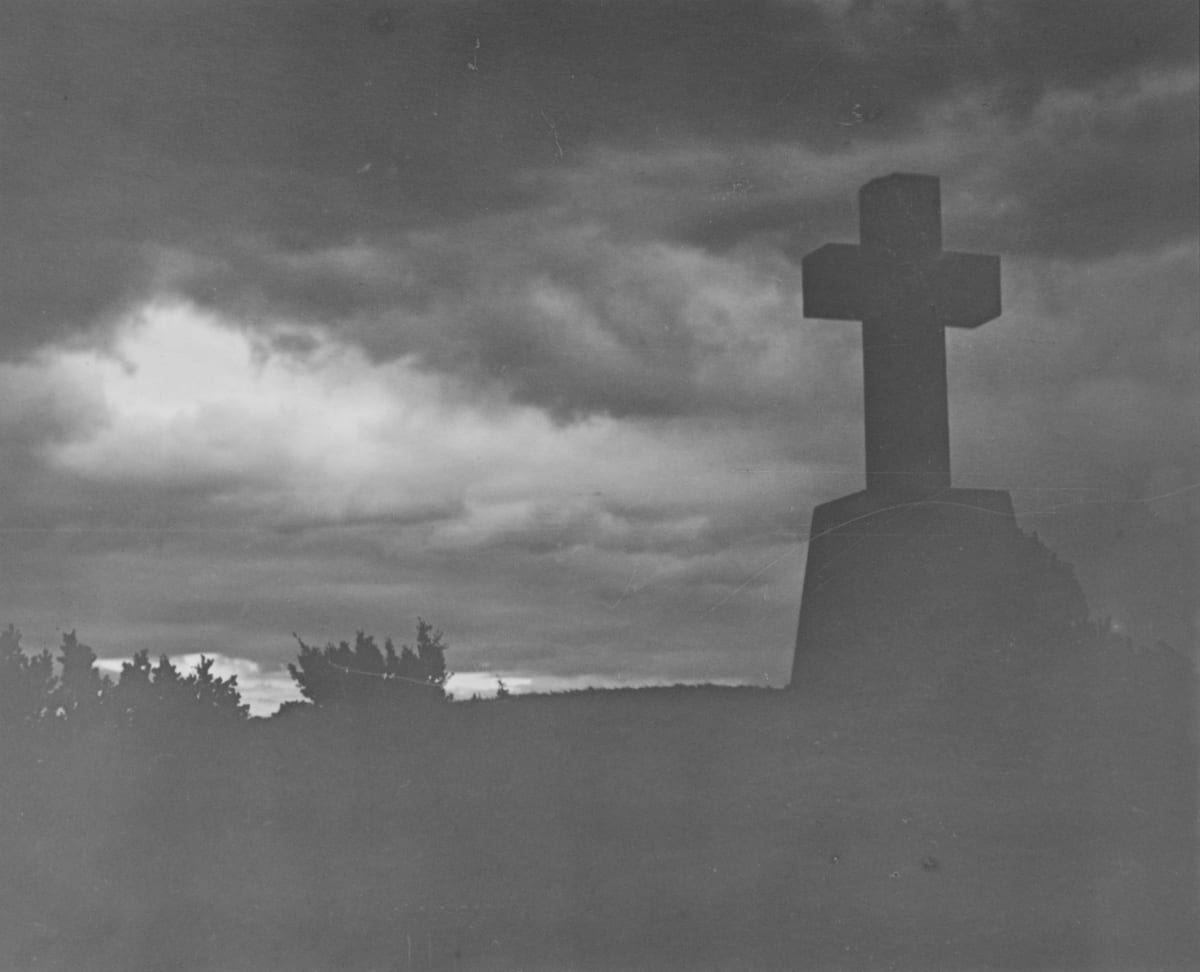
pixel 79 695
pixel 26 683
pixel 363 674
pixel 152 696
pixel 212 695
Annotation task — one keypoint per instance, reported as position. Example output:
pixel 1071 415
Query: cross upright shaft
pixel 906 290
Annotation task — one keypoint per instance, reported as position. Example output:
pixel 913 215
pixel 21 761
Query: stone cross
pixel 906 290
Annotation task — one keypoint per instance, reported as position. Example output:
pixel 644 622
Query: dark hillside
pixel 690 828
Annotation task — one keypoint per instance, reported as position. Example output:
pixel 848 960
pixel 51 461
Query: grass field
pixel 689 829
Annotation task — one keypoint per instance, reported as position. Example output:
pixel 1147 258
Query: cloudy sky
pixel 319 316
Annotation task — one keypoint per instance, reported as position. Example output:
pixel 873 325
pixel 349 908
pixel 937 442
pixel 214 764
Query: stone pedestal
pixel 899 591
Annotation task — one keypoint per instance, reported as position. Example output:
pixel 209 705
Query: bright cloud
pixel 330 435
pixel 224 491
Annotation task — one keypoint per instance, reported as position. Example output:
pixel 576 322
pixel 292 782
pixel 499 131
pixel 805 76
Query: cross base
pixel 899 594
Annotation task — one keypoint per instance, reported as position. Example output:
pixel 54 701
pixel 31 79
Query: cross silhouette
pixel 906 290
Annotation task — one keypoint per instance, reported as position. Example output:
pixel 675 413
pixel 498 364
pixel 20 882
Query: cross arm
pixel 841 282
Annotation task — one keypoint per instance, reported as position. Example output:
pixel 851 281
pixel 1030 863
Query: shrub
pixel 363 674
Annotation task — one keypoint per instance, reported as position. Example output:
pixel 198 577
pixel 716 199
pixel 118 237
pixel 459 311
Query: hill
pixel 697 829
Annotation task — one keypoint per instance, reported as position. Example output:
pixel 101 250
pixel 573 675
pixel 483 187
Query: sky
pixel 326 316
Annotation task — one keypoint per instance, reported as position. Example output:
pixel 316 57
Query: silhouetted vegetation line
pixel 27 683
pixel 362 675
pixel 74 697
pixel 147 823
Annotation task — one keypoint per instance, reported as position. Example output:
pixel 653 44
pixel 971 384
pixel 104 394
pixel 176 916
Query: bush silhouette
pixel 362 674
pixel 79 696
pixel 76 697
pixel 26 683
pixel 152 696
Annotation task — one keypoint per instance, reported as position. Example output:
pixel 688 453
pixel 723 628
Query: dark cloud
pixel 1098 175
pixel 567 316
pixel 1082 401
pixel 132 127
pixel 592 209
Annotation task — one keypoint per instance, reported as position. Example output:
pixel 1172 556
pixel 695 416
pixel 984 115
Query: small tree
pixel 79 695
pixel 27 683
pixel 363 674
pixel 159 695
pixel 431 655
pixel 218 697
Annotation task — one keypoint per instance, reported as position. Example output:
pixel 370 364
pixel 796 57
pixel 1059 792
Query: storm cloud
pixel 316 315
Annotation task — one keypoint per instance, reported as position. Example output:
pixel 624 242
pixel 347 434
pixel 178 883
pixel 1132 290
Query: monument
pixel 907 577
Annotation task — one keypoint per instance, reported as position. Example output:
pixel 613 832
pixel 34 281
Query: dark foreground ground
pixel 689 829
